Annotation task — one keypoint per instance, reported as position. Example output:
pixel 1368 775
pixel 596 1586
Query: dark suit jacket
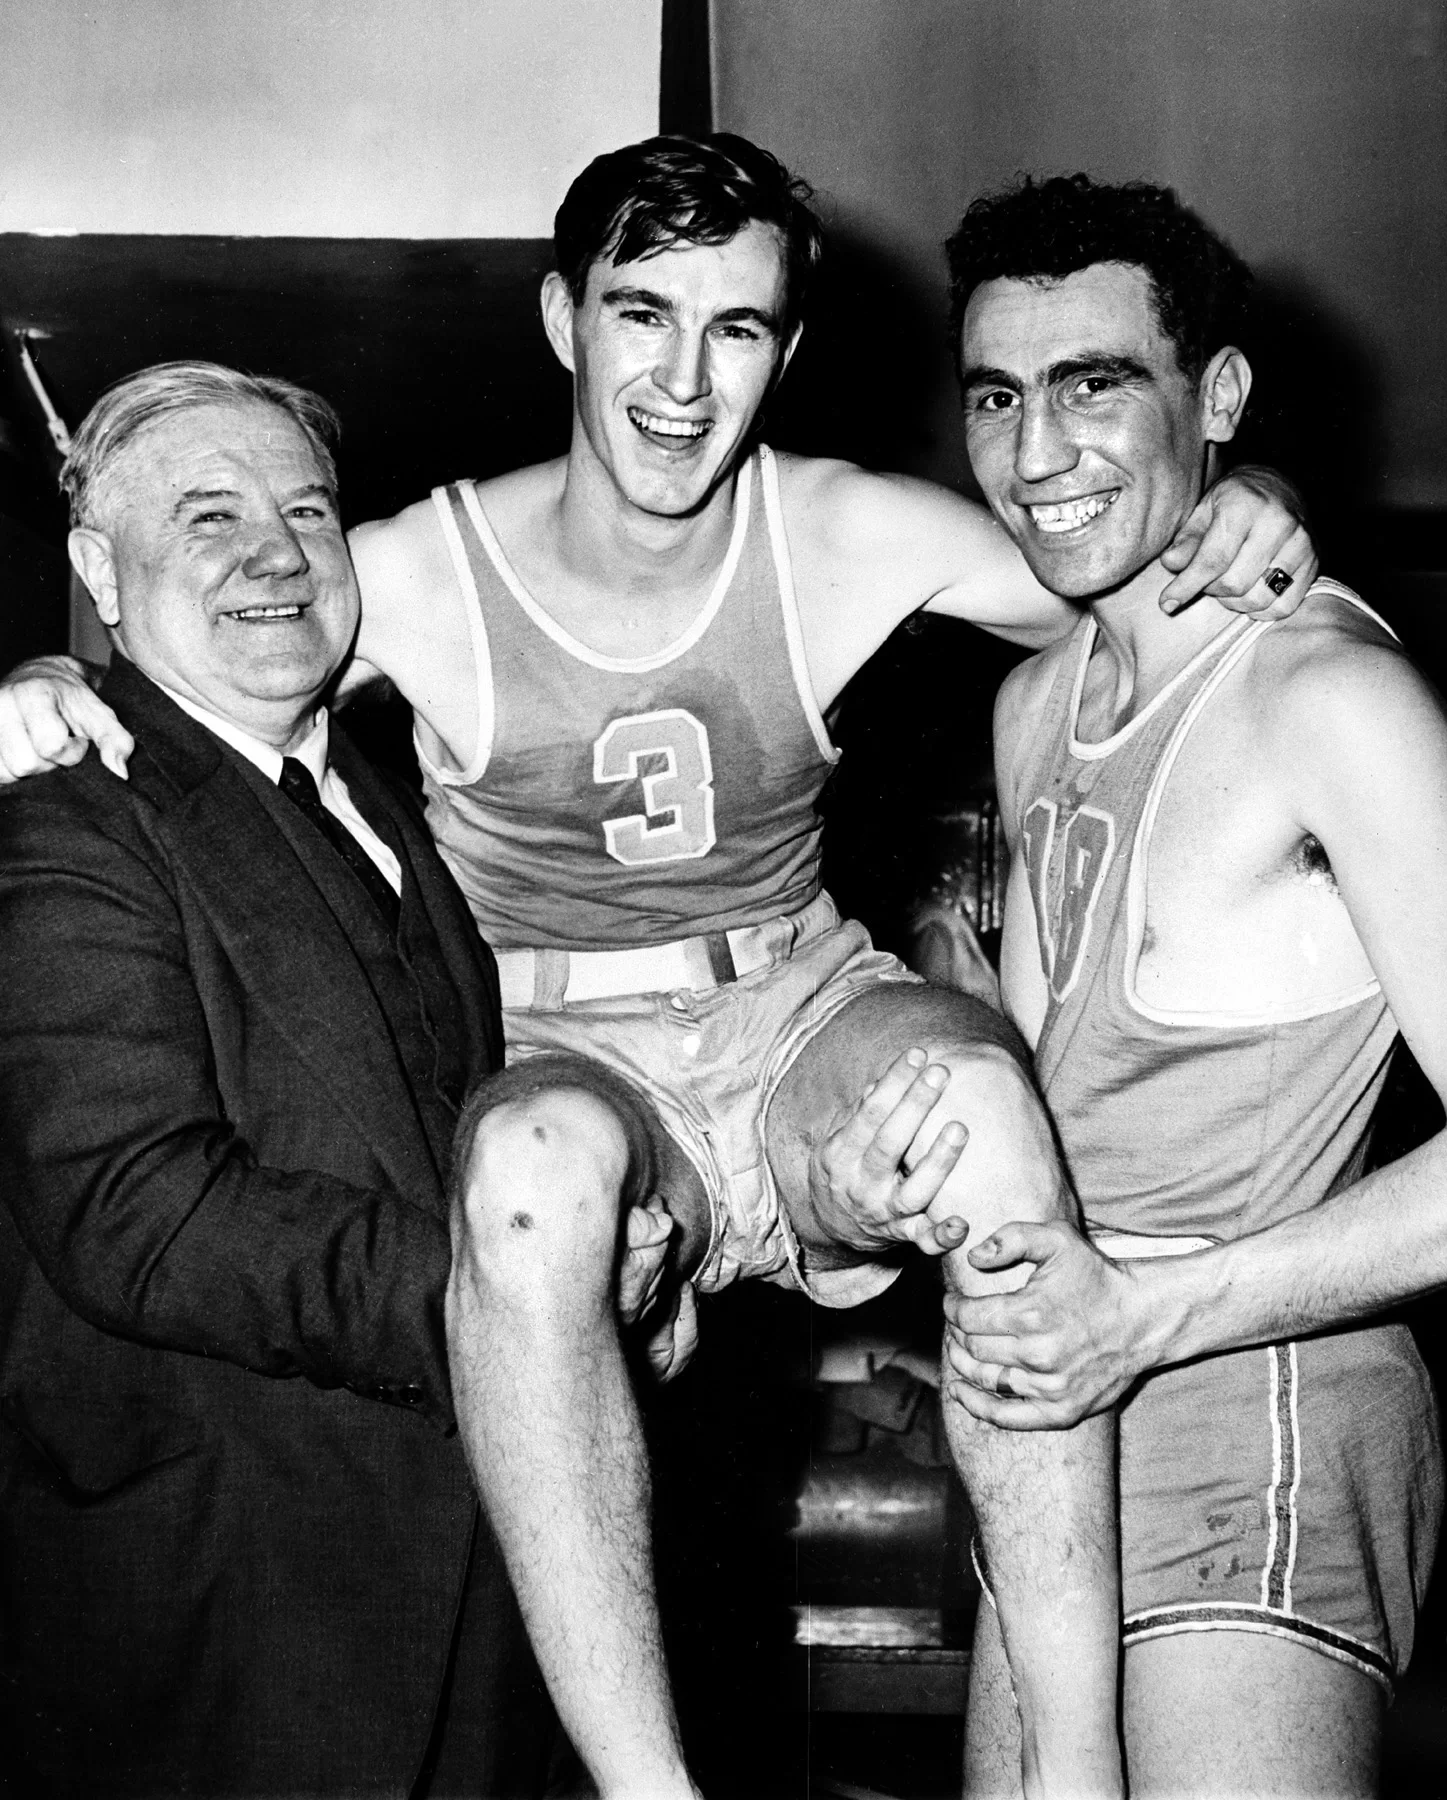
pixel 235 1528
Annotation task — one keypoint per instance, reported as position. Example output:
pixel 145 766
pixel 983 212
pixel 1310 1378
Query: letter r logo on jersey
pixel 668 752
pixel 1067 869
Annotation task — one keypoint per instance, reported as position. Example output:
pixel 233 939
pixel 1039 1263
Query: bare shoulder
pixel 398 559
pixel 1336 695
pixel 1333 661
pixel 854 510
pixel 411 598
pixel 519 492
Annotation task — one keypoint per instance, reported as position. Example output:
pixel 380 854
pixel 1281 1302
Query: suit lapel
pixel 284 908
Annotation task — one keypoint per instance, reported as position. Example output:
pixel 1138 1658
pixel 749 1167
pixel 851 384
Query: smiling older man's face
pixel 233 583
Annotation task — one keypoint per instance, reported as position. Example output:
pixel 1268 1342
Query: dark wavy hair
pixel 1044 230
pixel 680 190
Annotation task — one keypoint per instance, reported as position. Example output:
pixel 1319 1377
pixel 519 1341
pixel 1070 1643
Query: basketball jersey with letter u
pixel 624 801
pixel 1209 1124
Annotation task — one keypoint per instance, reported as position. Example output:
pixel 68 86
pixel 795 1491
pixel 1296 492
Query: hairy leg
pixel 1212 1713
pixel 550 1424
pixel 992 1720
pixel 1045 1501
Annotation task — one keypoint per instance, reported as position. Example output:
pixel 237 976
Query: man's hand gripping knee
pixel 863 1189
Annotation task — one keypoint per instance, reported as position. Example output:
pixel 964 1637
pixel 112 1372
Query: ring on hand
pixel 1277 580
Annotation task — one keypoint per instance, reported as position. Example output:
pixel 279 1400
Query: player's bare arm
pixel 869 550
pixel 1359 746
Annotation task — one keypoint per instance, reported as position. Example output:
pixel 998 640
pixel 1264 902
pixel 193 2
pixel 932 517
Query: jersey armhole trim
pixel 789 604
pixel 481 652
pixel 1138 875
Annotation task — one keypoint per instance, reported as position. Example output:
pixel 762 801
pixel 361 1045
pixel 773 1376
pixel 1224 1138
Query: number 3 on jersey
pixel 667 752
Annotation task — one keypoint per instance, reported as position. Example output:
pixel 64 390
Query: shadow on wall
pixel 867 380
pixel 1315 414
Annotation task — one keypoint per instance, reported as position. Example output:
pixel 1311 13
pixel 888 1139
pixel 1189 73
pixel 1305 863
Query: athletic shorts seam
pixel 785 1055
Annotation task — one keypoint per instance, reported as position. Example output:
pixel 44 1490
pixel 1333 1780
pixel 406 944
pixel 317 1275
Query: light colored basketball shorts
pixel 710 1060
pixel 1294 1489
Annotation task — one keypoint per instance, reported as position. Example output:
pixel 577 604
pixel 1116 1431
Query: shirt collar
pixel 311 751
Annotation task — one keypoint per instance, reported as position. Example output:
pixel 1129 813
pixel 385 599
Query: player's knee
pixel 538 1186
pixel 1011 1168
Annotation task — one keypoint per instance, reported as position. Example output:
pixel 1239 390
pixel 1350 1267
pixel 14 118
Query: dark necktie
pixel 298 786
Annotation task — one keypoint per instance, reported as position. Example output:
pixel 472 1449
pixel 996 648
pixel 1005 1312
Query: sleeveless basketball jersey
pixel 1194 1124
pixel 624 801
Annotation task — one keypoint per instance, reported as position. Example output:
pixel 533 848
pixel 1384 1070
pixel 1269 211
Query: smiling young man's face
pixel 220 562
pixel 672 357
pixel 1089 441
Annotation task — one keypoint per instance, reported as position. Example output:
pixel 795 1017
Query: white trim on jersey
pixel 481 655
pixel 789 603
pixel 564 639
pixel 1249 633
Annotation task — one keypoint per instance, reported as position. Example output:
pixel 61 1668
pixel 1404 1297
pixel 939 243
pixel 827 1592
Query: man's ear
pixel 1225 388
pixel 93 559
pixel 557 305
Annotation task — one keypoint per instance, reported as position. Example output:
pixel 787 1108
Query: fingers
pixel 646 1225
pixel 671 1347
pixel 896 1107
pixel 88 716
pixel 646 1234
pixel 1230 543
pixel 34 734
pixel 1008 1412
pixel 921 1187
pixel 1015 1243
pixel 48 721
pixel 1244 587
pixel 991 1315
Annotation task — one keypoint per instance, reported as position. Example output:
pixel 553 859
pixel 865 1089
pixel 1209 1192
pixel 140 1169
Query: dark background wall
pixel 1312 133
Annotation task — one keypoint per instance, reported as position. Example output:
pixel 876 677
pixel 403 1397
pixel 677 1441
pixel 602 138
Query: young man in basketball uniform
pixel 619 664
pixel 1229 891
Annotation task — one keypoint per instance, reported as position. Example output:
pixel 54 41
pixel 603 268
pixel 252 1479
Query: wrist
pixel 1174 1305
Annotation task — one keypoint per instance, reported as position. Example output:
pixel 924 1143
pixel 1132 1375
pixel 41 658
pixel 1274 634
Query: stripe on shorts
pixel 1218 1615
pixel 1285 1478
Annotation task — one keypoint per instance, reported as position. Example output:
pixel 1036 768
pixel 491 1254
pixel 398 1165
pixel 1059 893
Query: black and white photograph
pixel 723 899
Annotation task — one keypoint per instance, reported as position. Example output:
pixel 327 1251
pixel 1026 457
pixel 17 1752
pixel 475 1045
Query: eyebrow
pixel 731 315
pixel 1090 362
pixel 192 495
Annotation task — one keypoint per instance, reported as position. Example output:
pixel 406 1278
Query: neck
pixel 643 552
pixel 1144 647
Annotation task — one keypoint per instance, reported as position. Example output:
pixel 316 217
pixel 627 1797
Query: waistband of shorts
pixel 1140 1246
pixel 542 980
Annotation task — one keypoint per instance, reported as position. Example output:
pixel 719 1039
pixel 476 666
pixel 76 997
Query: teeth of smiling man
pixel 268 612
pixel 679 428
pixel 1068 514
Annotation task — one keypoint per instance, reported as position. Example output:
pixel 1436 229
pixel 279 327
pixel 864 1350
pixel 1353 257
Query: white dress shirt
pixel 312 753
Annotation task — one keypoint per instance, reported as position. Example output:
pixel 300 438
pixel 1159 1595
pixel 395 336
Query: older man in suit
pixel 240 1002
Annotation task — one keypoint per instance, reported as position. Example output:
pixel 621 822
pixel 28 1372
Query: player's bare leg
pixel 1045 1501
pixel 1234 1712
pixel 992 1720
pixel 547 1414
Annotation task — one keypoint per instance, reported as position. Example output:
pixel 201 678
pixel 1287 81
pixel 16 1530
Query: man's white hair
pixel 125 410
